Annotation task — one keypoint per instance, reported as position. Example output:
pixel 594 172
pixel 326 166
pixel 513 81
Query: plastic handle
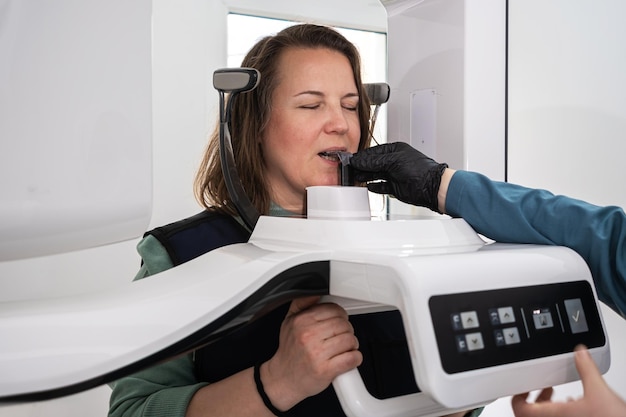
pixel 356 401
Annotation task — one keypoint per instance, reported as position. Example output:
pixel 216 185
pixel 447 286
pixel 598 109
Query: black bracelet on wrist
pixel 261 391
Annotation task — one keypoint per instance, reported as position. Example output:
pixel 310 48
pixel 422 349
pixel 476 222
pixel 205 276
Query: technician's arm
pixel 505 212
pixel 510 213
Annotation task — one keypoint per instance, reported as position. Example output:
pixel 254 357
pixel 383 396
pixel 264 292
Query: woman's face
pixel 314 111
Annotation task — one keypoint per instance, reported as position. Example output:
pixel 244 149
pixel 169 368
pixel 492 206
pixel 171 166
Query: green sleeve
pixel 154 257
pixel 163 390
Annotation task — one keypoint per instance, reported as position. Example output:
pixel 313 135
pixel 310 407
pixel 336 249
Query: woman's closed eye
pixel 310 106
pixel 350 105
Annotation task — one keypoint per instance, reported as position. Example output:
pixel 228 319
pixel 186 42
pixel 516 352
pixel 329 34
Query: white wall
pixel 78 174
pixel 446 71
pixel 188 44
pixel 567 97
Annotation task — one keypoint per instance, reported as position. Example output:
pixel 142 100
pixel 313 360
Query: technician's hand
pixel 316 344
pixel 598 399
pixel 406 173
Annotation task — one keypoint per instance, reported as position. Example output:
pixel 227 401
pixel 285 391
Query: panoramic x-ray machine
pixel 481 321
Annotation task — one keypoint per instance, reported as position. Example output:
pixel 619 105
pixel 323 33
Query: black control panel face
pixel 476 330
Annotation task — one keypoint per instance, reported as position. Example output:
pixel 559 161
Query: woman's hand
pixel 316 344
pixel 598 399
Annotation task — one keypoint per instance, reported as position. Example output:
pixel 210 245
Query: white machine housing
pixel 60 346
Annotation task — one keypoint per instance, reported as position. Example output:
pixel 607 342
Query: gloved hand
pixel 406 173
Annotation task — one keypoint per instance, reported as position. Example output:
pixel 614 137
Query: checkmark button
pixel 576 315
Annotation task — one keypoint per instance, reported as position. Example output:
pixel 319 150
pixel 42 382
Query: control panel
pixel 482 329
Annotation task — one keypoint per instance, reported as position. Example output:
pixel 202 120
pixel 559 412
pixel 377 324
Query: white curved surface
pixel 75 123
pixel 54 344
pixel 394 237
pixel 57 343
pixel 356 401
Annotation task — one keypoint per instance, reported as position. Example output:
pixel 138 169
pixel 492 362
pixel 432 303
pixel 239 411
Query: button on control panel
pixel 487 328
pixel 507 336
pixel 497 317
pixel 542 318
pixel 576 315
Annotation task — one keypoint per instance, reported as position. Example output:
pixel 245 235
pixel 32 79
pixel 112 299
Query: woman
pixel 309 104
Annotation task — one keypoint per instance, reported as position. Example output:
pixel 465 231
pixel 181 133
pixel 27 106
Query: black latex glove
pixel 406 173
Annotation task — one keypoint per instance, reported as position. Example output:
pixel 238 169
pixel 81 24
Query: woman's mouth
pixel 331 156
pixel 335 156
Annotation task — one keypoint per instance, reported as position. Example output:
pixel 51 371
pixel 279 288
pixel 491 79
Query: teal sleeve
pixel 163 390
pixel 507 212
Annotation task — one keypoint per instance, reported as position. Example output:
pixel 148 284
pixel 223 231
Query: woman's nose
pixel 337 120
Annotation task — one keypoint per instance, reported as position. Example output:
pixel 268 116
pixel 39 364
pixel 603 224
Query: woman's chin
pixel 328 184
pixel 328 180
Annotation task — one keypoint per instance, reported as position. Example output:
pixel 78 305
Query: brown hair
pixel 251 112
